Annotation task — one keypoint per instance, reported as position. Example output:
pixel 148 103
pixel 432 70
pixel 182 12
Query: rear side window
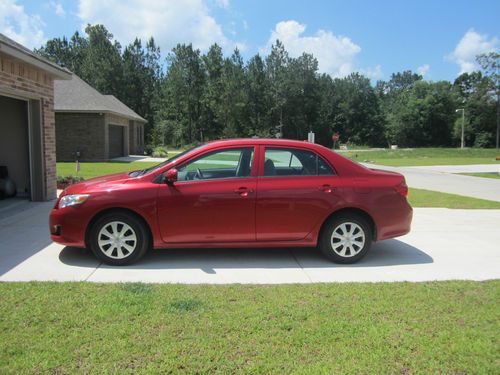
pixel 294 162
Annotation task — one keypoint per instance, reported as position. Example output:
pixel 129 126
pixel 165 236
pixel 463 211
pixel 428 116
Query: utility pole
pixel 498 117
pixel 462 143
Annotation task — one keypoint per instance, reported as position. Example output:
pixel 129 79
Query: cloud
pixel 169 21
pixel 373 73
pixel 471 45
pixel 222 3
pixel 335 54
pixel 24 28
pixel 424 70
pixel 58 8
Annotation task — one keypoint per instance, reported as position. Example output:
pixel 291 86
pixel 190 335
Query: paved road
pixel 474 168
pixel 444 244
pixel 427 178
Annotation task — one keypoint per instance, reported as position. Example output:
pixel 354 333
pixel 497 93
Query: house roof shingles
pixel 76 95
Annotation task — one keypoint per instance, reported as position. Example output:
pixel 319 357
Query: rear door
pixel 296 190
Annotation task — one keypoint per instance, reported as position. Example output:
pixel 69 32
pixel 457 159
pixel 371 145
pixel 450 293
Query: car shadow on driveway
pixel 385 253
pixel 24 231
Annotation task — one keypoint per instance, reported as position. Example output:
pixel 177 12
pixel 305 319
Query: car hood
pixel 98 184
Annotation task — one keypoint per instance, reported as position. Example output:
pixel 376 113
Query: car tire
pixel 345 238
pixel 119 238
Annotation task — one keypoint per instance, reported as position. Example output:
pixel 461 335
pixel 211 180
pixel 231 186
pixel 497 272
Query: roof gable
pixel 18 51
pixel 76 95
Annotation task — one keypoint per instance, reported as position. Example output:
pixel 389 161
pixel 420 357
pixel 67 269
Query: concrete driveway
pixel 444 244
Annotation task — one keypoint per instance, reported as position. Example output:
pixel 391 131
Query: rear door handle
pixel 326 188
pixel 243 191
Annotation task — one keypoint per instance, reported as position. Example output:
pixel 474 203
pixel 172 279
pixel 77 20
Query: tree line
pixel 193 96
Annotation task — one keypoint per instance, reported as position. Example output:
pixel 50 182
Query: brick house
pixel 27 129
pixel 98 127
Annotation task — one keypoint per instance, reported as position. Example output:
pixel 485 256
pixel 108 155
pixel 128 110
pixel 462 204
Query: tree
pixel 472 91
pixel 490 63
pixel 358 118
pixel 211 97
pixel 234 97
pixel 257 97
pixel 180 113
pixel 276 67
pixel 427 117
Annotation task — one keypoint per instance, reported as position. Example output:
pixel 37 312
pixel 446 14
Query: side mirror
pixel 171 176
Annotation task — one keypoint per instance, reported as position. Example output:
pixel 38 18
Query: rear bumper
pixel 399 224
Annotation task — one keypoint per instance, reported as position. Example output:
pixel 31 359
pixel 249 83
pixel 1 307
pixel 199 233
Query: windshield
pixel 156 167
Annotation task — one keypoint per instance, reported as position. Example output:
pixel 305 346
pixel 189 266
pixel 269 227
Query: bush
pixel 483 140
pixel 159 152
pixel 64 181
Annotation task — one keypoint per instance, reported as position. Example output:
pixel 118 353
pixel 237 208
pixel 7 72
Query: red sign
pixel 335 137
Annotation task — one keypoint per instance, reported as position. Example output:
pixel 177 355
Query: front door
pixel 213 199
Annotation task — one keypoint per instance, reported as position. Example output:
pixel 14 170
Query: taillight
pixel 402 189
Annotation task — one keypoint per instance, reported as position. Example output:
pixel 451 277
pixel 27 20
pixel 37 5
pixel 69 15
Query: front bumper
pixel 67 227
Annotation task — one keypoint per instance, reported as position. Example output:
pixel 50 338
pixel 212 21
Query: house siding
pixel 82 132
pixel 22 80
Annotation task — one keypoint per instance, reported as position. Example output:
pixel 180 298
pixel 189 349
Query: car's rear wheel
pixel 345 238
pixel 118 238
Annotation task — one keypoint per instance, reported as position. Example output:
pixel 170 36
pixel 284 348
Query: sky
pixel 436 38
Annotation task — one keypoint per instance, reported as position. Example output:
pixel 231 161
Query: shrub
pixel 159 152
pixel 64 181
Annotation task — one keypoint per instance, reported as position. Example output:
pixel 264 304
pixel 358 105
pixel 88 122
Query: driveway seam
pixel 92 273
pixel 300 265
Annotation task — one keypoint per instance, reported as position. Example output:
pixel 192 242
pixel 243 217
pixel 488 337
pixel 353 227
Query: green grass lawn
pixel 428 198
pixel 426 156
pixel 376 328
pixel 89 170
pixel 486 175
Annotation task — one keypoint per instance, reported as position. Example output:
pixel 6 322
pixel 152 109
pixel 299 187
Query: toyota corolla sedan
pixel 236 193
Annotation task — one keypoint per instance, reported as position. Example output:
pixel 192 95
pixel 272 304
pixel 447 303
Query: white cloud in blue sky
pixel 58 8
pixel 17 24
pixel 344 37
pixel 423 70
pixel 471 45
pixel 169 22
pixel 335 54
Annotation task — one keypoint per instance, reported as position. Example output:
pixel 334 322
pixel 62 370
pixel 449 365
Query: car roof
pixel 262 141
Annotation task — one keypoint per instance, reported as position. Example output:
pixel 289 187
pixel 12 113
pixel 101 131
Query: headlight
pixel 71 200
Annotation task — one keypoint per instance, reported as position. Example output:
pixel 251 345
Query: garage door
pixel 115 141
pixel 21 148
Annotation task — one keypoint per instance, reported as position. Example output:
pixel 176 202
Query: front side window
pixel 294 162
pixel 226 163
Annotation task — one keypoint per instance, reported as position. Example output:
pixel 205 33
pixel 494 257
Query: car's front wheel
pixel 345 238
pixel 118 238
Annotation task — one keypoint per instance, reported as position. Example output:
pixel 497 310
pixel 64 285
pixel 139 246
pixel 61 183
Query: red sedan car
pixel 236 193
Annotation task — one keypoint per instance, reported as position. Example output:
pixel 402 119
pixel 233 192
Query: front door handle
pixel 243 191
pixel 326 188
